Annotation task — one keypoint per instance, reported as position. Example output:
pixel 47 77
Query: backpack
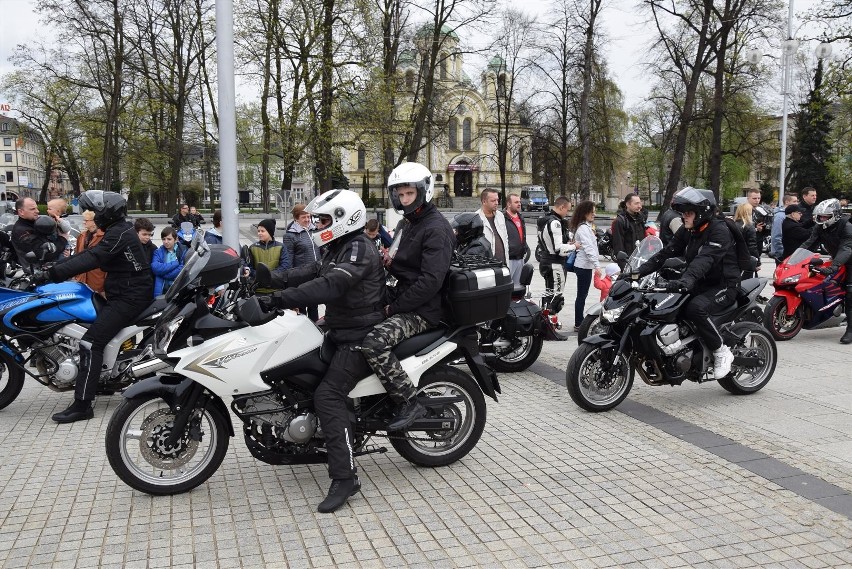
pixel 744 260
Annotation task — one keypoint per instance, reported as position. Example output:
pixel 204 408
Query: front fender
pixel 172 389
pixel 602 341
pixel 793 300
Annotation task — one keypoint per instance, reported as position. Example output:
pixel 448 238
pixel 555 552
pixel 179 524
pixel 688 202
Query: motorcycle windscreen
pixel 74 302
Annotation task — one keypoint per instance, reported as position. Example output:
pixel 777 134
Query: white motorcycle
pixel 171 432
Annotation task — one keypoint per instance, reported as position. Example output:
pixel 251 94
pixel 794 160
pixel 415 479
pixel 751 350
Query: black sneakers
pixel 78 411
pixel 406 414
pixel 340 491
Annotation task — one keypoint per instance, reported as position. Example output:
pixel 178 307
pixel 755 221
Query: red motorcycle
pixel 804 298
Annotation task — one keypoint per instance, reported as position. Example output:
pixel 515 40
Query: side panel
pixel 414 366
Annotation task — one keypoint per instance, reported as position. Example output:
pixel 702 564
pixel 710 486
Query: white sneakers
pixel 722 360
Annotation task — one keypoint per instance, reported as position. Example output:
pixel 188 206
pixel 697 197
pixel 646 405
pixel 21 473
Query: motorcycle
pixel 171 432
pixel 604 237
pixel 513 343
pixel 805 298
pixel 40 332
pixel 185 233
pixel 647 335
pixel 647 248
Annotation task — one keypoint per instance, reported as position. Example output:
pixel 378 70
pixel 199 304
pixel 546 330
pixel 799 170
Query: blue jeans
pixel 584 281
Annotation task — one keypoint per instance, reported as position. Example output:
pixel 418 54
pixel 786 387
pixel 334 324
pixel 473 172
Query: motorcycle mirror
pixel 621 256
pixel 47 249
pixel 817 262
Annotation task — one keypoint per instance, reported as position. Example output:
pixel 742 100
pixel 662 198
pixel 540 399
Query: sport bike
pixel 40 332
pixel 171 432
pixel 805 298
pixel 646 334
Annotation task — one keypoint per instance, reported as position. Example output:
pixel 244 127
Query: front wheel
pixel 523 353
pixel 440 448
pixel 11 380
pixel 138 451
pixel 590 326
pixel 758 349
pixel 595 383
pixel 781 325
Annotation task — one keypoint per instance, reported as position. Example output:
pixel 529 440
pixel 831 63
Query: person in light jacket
pixel 494 224
pixel 587 255
pixel 301 248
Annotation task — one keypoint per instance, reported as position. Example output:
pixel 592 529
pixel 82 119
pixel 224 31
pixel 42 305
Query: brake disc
pixel 156 429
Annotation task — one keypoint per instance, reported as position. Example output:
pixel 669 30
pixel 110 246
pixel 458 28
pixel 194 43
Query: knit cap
pixel 269 225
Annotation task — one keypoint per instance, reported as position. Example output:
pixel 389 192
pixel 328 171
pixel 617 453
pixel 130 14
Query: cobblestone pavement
pixel 548 485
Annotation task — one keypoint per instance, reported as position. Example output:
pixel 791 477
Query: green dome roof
pixel 446 30
pixel 496 63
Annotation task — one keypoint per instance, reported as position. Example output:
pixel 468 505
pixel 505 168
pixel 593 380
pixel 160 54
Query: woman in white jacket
pixel 587 255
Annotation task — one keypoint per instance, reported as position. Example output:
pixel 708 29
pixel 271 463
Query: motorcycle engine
pixel 670 340
pixel 280 422
pixel 58 362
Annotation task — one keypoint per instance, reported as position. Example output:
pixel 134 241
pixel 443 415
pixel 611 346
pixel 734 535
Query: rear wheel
pixel 592 383
pixel 440 448
pixel 759 346
pixel 11 380
pixel 138 451
pixel 781 325
pixel 523 353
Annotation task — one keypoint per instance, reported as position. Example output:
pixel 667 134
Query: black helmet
pixel 109 207
pixel 468 226
pixel 45 225
pixel 702 202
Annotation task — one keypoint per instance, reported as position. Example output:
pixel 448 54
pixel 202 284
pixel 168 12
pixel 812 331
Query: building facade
pixel 22 162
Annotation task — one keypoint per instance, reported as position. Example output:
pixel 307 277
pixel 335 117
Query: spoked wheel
pixel 781 325
pixel 439 448
pixel 592 383
pixel 523 353
pixel 759 347
pixel 11 380
pixel 138 451
pixel 590 326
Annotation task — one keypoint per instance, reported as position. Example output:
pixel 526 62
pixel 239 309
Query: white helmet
pixel 345 210
pixel 827 212
pixel 411 174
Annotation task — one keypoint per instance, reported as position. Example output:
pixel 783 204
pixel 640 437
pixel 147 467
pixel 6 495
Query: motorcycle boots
pixel 847 337
pixel 339 492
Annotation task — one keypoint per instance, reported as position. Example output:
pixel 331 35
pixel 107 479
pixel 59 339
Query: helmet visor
pixel 824 218
pixel 321 221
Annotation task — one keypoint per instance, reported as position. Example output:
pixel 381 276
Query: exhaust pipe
pixel 146 368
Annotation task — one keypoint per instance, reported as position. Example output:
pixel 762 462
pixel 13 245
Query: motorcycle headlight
pixel 612 314
pixel 166 332
pixel 791 280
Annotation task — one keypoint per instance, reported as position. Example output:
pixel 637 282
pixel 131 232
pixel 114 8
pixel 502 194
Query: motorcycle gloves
pixel 40 277
pixel 268 302
pixel 677 286
pixel 829 270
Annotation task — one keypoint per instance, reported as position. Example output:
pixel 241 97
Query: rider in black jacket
pixel 712 274
pixel 350 281
pixel 29 234
pixel 129 286
pixel 834 232
pixel 419 258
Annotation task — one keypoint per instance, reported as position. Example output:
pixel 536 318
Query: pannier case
pixel 478 289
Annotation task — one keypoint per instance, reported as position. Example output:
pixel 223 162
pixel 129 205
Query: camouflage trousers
pixel 376 348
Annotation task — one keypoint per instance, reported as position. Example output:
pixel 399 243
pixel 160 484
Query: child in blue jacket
pixel 168 261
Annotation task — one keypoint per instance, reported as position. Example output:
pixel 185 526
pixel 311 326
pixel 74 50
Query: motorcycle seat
pixel 411 346
pixel 157 305
pixel 99 302
pixel 725 315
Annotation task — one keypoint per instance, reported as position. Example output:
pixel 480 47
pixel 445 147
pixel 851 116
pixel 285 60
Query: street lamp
pixel 95 186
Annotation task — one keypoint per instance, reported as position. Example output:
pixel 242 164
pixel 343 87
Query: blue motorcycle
pixel 40 332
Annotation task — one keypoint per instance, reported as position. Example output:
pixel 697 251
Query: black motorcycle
pixel 604 237
pixel 646 334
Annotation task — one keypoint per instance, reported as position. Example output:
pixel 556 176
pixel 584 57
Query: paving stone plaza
pixel 675 477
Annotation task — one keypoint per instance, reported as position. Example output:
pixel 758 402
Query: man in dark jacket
pixel 27 237
pixel 351 283
pixel 628 227
pixel 793 233
pixel 129 287
pixel 712 274
pixel 183 216
pixel 419 258
pixel 833 231
pixel 517 232
pixel 808 202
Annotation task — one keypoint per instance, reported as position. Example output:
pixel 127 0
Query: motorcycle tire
pixel 438 448
pixel 11 380
pixel 780 325
pixel 519 359
pixel 758 340
pixel 590 326
pixel 140 424
pixel 605 390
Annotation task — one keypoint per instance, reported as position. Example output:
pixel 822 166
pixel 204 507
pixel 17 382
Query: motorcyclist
pixel 129 286
pixel 554 238
pixel 29 234
pixel 712 274
pixel 470 235
pixel 419 258
pixel 350 281
pixel 833 231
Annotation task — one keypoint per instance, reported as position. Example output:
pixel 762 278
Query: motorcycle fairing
pixel 793 299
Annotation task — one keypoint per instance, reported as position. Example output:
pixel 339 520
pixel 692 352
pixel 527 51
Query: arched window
pixel 443 69
pixel 466 134
pixel 454 133
pixel 501 84
pixel 409 79
pixel 362 158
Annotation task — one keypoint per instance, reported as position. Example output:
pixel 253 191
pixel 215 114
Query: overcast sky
pixel 626 45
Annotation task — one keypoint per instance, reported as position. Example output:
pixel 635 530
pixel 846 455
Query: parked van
pixel 534 198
